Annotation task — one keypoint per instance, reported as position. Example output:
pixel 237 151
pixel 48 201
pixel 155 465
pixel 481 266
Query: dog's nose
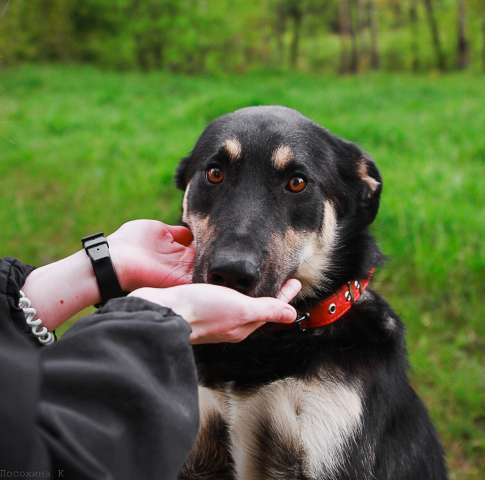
pixel 238 274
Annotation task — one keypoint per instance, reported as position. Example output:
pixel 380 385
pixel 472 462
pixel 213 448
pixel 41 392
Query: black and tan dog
pixel 270 195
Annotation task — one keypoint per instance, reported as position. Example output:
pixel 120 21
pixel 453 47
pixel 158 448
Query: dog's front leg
pixel 210 457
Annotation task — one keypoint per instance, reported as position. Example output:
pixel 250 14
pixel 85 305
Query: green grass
pixel 84 150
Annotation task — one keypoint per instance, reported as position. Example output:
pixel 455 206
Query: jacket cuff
pixel 13 274
pixel 136 304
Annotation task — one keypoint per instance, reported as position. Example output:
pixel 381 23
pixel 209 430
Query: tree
pixel 462 45
pixel 295 13
pixel 354 22
pixel 413 21
pixel 374 46
pixel 289 12
pixel 344 30
pixel 280 22
pixel 349 26
pixel 397 12
pixel 435 34
pixel 478 9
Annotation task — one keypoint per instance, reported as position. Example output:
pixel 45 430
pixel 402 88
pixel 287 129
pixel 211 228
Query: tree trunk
pixel 462 46
pixel 296 15
pixel 354 50
pixel 435 35
pixel 280 29
pixel 157 50
pixel 413 20
pixel 397 13
pixel 374 45
pixel 344 19
pixel 4 7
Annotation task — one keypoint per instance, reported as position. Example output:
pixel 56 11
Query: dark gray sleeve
pixel 116 397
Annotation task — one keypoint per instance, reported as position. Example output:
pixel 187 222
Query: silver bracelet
pixel 38 330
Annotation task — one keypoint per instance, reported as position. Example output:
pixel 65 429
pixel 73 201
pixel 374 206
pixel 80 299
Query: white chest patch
pixel 313 419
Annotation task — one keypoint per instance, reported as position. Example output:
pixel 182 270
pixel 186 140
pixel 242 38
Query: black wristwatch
pixel 97 249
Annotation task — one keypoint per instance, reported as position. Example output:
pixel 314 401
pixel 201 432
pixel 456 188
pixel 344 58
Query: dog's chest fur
pixel 290 428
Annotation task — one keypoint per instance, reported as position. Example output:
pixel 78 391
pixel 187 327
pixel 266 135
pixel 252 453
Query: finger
pixel 267 309
pixel 181 234
pixel 289 290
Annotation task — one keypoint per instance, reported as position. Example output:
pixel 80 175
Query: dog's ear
pixel 370 189
pixel 360 173
pixel 182 175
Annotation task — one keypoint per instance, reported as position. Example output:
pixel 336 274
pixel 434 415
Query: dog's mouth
pixel 255 280
pixel 242 285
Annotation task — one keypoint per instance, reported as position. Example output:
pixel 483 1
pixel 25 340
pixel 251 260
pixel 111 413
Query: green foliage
pixel 215 36
pixel 84 150
pixel 180 35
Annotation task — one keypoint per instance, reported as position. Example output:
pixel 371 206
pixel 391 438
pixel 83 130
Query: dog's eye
pixel 214 175
pixel 296 184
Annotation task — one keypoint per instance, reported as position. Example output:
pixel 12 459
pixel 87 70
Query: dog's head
pixel 270 195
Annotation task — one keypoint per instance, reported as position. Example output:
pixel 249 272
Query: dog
pixel 270 195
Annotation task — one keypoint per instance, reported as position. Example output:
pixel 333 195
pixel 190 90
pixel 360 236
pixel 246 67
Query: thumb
pixel 289 290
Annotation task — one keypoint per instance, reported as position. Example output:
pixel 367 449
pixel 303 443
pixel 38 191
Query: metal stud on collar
pixel 332 308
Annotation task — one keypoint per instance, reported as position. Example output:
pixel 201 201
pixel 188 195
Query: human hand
pixel 144 253
pixel 148 253
pixel 219 314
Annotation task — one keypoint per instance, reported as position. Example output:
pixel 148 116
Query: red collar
pixel 334 307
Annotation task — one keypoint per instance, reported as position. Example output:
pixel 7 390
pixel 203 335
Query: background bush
pixel 195 36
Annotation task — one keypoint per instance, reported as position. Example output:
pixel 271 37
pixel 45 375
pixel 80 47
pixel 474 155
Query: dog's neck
pixel 352 261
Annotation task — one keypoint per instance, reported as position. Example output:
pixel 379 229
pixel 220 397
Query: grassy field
pixel 84 150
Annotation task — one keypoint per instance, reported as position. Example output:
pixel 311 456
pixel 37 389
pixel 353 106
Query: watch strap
pixel 97 249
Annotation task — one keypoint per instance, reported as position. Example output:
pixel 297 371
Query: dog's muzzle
pixel 236 271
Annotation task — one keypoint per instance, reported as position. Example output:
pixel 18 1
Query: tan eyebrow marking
pixel 281 156
pixel 233 148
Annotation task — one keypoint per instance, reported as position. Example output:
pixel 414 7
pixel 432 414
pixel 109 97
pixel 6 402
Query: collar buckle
pixel 302 317
pixel 349 294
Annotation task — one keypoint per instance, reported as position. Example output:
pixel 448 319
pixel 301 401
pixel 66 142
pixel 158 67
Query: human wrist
pixel 119 253
pixel 61 289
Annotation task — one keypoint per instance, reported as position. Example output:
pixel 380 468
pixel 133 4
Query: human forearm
pixel 62 289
